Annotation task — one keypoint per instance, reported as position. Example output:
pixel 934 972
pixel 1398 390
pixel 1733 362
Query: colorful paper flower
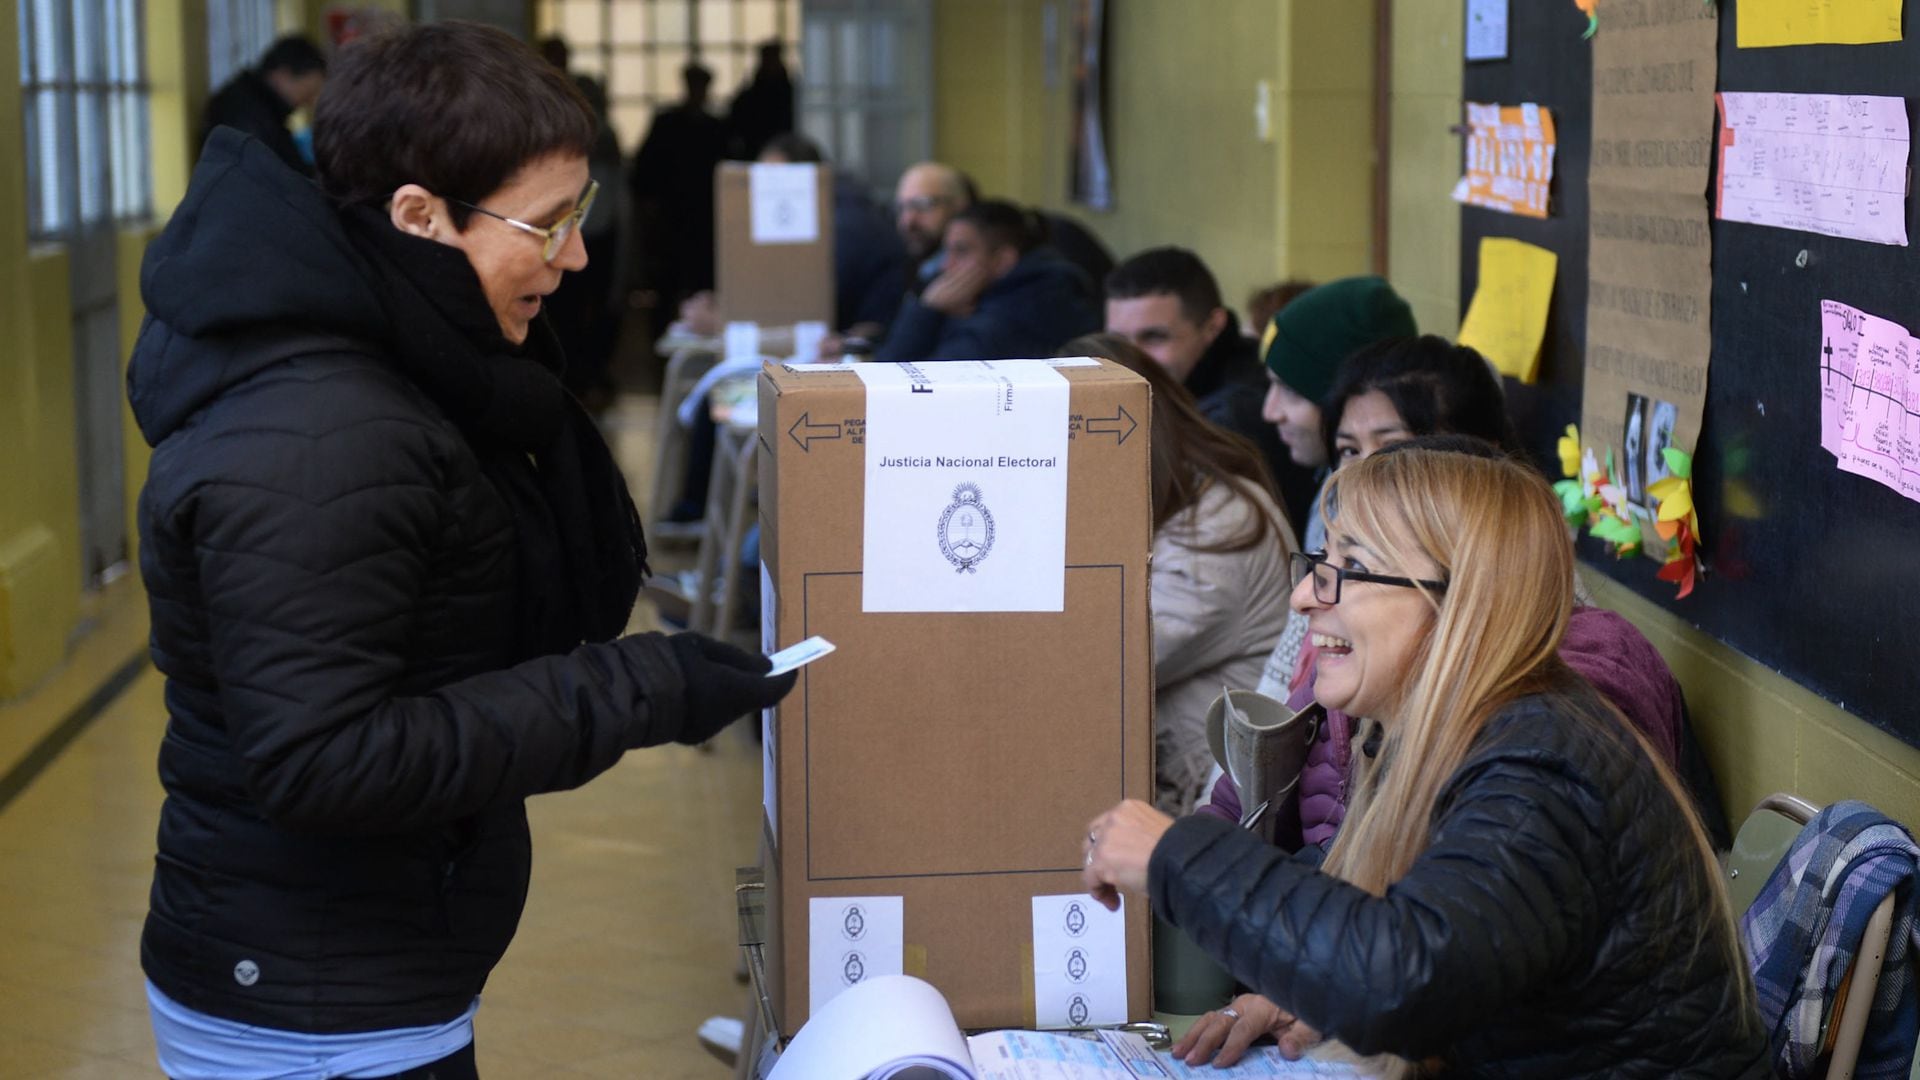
pixel 1569 448
pixel 1593 18
pixel 1676 521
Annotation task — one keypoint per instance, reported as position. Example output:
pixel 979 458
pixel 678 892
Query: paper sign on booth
pixel 851 939
pixel 1079 962
pixel 966 487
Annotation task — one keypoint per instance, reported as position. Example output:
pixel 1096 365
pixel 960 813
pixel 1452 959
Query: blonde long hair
pixel 1493 529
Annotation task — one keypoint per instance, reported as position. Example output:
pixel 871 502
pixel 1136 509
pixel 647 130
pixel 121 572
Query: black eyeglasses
pixel 1327 577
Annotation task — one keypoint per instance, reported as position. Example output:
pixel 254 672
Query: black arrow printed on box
pixel 804 432
pixel 1121 423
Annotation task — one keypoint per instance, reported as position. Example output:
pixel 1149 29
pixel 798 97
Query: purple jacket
pixel 1601 645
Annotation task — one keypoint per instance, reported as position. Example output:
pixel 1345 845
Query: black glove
pixel 723 684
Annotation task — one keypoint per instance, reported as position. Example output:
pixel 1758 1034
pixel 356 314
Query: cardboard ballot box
pixel 773 243
pixel 974 538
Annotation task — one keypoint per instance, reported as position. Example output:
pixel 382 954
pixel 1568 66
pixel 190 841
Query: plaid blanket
pixel 1803 930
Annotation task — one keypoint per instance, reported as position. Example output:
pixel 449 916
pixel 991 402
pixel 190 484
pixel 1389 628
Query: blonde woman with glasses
pixel 1509 895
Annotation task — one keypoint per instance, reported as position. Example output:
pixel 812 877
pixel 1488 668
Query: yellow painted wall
pixel 1423 223
pixel 1189 166
pixel 39 509
pixel 40 571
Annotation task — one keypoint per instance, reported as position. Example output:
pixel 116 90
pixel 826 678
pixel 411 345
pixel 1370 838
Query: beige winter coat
pixel 1216 617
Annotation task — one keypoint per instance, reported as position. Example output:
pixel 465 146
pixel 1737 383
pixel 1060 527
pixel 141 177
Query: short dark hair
pixel 1437 387
pixel 1002 224
pixel 295 54
pixel 554 50
pixel 455 107
pixel 1172 270
pixel 794 147
pixel 694 73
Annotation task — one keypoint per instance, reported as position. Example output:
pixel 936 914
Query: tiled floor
pixel 627 943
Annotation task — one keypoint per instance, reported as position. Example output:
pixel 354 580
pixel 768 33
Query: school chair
pixel 684 369
pixel 732 508
pixel 1762 842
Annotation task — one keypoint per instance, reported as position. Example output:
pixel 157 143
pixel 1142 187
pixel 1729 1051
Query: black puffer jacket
pixel 1540 935
pixel 354 719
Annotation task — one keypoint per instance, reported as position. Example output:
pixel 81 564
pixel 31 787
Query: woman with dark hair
pixel 1404 388
pixel 1220 548
pixel 389 560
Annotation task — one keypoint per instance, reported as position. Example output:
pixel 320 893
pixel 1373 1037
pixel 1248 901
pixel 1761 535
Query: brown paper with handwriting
pixel 1650 272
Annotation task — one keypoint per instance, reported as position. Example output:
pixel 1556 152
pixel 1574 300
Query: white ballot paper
pixel 1079 962
pixel 1820 163
pixel 851 939
pixel 785 206
pixel 966 486
pixel 798 656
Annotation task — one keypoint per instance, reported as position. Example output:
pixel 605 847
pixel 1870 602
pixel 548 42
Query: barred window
pixel 637 48
pixel 239 32
pixel 84 93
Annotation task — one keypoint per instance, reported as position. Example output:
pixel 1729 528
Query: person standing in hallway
pixel 763 109
pixel 672 182
pixel 258 101
pixel 389 562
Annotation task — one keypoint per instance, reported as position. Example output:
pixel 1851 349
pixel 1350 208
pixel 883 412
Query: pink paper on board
pixel 1870 397
pixel 1821 163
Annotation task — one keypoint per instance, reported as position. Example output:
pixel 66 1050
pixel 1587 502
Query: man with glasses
pixel 928 197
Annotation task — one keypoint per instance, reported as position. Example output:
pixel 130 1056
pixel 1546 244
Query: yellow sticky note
pixel 1508 317
pixel 1765 23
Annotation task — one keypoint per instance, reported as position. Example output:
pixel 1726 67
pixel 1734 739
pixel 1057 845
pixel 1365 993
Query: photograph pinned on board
pixel 1633 459
pixel 1661 417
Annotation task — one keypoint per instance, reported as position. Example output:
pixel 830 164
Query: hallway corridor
pixel 627 944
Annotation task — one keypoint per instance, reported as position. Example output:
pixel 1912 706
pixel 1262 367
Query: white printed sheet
pixel 966 487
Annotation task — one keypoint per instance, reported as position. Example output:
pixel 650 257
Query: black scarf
pixel 574 512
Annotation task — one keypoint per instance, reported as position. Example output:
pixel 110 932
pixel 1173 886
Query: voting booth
pixel 773 243
pixel 974 539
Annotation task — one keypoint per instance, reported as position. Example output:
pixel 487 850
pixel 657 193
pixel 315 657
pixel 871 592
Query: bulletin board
pixel 1811 571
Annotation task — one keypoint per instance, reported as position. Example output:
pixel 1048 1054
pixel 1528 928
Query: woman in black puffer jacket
pixel 389 561
pixel 1520 888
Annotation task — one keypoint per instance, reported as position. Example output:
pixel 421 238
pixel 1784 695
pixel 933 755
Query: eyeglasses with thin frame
pixel 920 204
pixel 1327 577
pixel 556 234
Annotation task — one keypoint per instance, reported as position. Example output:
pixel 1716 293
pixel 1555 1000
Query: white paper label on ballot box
pixel 851 939
pixel 783 203
pixel 966 486
pixel 1079 962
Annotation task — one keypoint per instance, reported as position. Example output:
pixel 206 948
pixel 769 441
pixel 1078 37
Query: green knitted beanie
pixel 1308 338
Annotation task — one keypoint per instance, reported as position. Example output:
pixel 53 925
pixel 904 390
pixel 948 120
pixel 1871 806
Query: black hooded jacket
pixel 1543 933
pixel 338 584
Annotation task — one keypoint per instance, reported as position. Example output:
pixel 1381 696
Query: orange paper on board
pixel 1509 159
